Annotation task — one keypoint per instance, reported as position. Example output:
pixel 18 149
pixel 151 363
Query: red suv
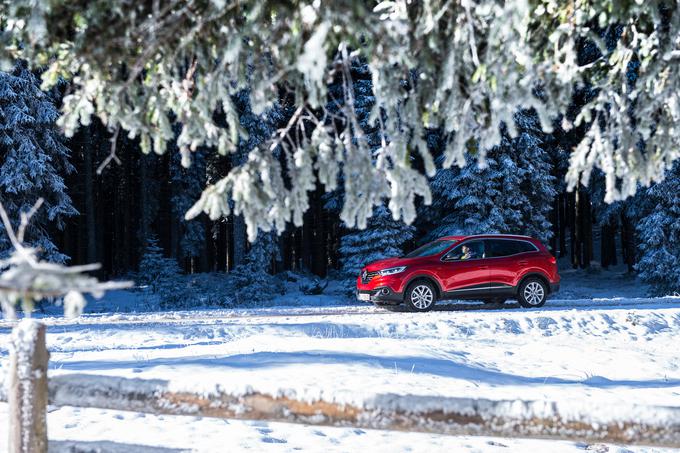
pixel 490 267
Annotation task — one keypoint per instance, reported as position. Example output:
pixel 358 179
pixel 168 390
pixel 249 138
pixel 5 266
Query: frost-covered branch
pixel 463 66
pixel 25 279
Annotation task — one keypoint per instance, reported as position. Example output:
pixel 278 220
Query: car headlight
pixel 392 271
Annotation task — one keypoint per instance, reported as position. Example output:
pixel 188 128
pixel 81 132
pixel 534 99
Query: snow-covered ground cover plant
pixel 213 291
pixel 593 347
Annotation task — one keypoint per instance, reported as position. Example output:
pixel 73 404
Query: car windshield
pixel 431 248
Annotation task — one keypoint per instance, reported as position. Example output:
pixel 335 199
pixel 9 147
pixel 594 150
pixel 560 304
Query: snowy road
pixel 218 316
pixel 595 352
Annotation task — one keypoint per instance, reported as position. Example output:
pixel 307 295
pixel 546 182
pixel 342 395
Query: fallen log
pixel 575 420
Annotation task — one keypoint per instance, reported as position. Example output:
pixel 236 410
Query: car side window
pixel 525 246
pixel 471 250
pixel 497 248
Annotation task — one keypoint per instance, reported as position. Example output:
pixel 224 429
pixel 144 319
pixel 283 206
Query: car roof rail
pixel 501 235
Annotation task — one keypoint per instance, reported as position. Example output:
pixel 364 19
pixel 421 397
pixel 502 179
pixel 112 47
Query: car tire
pixel 532 293
pixel 494 300
pixel 420 296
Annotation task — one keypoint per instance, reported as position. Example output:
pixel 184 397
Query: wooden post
pixel 28 388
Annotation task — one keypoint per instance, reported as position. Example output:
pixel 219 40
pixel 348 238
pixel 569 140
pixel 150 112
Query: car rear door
pixel 506 259
pixel 459 274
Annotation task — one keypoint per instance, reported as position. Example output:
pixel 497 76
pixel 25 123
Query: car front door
pixel 463 273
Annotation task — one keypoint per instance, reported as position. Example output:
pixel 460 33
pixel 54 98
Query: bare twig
pixel 112 152
pixel 26 218
pixel 283 132
pixel 8 227
pixel 189 81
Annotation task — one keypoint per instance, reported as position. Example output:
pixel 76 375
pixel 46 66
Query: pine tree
pixel 160 273
pixel 511 193
pixel 150 197
pixel 383 237
pixel 252 280
pixel 258 128
pixel 33 159
pixel 659 234
pixel 465 200
pixel 536 182
pixel 251 277
pixel 187 184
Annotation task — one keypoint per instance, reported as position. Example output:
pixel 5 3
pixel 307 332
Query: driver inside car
pixel 468 253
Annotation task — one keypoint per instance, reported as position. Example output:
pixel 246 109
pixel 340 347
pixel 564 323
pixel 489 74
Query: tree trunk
pixel 90 221
pixel 605 248
pixel 144 200
pixel 239 237
pixel 28 388
pixel 307 241
pixel 563 225
pixel 586 229
pixel 555 222
pixel 319 252
pixel 573 227
pixel 127 230
pixel 239 240
pixel 628 241
pixel 286 250
pixel 608 244
pixel 175 237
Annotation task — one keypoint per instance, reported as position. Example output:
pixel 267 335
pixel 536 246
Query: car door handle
pixel 483 267
pixel 523 262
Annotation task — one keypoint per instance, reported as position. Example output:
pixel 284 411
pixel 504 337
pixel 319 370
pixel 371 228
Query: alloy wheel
pixel 534 293
pixel 422 297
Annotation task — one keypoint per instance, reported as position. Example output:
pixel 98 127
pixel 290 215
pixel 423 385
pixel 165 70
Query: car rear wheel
pixel 421 296
pixel 532 293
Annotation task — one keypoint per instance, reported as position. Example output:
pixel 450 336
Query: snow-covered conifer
pixel 156 270
pixel 659 233
pixel 466 200
pixel 464 67
pixel 383 237
pixel 187 184
pixel 252 280
pixel 33 159
pixel 534 171
pixel 511 193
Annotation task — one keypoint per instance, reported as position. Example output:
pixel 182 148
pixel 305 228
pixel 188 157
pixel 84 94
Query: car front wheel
pixel 532 293
pixel 420 296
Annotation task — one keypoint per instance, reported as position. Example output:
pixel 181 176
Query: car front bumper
pixel 383 295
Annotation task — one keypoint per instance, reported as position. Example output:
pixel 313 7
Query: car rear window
pixel 507 247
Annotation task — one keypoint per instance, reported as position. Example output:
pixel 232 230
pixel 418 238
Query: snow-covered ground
pixel 99 428
pixel 600 342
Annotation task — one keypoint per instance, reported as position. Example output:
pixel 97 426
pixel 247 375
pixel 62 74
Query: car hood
pixel 389 262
